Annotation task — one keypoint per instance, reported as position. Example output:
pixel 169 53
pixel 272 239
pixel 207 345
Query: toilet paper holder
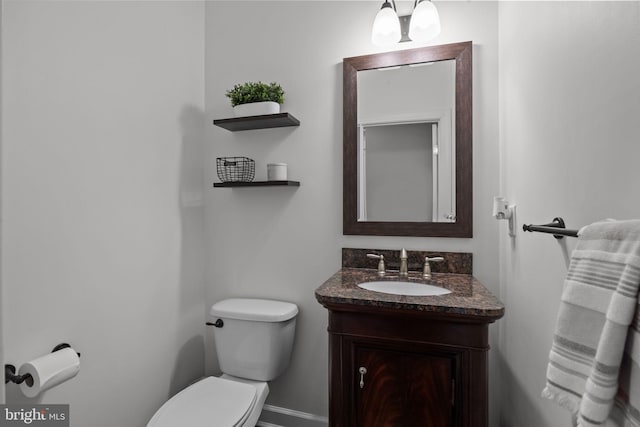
pixel 10 370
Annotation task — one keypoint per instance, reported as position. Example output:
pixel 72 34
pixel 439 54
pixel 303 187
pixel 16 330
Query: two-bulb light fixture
pixel 389 28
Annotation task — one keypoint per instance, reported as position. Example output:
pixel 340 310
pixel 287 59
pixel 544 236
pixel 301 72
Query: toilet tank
pixel 256 336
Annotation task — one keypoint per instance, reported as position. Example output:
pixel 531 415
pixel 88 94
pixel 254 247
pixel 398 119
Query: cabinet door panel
pixel 403 389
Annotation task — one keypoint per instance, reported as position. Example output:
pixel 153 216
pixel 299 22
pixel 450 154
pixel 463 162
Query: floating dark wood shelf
pixel 258 122
pixel 258 184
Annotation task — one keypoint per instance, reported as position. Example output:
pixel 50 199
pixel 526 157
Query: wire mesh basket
pixel 235 169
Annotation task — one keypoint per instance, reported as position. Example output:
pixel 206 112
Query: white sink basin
pixel 403 288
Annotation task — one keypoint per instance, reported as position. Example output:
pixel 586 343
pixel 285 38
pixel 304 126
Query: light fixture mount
pixel 405 21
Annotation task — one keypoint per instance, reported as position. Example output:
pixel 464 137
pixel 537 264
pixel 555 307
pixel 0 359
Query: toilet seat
pixel 210 402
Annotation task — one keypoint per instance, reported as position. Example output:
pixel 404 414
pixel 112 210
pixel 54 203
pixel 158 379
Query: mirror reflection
pixel 406 166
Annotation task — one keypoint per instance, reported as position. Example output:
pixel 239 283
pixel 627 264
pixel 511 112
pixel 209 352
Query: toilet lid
pixel 210 402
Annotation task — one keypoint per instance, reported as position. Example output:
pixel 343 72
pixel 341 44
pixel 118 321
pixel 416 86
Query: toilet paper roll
pixel 49 371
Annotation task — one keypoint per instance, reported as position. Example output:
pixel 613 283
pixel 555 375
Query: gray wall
pixel 283 242
pixel 2 393
pixel 569 105
pixel 103 199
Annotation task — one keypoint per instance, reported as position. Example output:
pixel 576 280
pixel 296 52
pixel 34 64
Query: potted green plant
pixel 253 99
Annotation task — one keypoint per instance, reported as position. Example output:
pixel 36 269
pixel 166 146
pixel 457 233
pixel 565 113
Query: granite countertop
pixel 468 297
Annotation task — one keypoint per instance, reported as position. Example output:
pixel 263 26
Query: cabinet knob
pixel 362 371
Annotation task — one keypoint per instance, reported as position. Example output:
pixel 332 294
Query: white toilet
pixel 254 338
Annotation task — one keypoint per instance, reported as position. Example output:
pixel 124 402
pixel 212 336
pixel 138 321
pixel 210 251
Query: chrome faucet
pixel 427 267
pixel 403 263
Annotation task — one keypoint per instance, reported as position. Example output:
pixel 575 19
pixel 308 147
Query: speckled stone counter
pixel 468 297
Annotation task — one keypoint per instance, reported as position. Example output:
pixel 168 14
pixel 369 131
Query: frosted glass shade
pixel 425 22
pixel 386 27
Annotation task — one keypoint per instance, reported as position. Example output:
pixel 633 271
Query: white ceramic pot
pixel 277 172
pixel 256 109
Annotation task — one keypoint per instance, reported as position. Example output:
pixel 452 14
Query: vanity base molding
pixel 399 367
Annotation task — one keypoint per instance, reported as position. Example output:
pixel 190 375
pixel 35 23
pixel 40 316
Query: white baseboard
pixel 275 416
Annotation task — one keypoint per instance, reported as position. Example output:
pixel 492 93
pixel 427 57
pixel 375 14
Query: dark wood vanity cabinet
pixel 408 361
pixel 396 368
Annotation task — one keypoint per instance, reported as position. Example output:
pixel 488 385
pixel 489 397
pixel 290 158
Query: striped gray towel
pixel 587 372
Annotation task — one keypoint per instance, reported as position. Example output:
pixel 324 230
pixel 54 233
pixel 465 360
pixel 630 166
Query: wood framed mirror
pixel 394 187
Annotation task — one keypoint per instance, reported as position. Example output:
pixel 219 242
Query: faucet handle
pixel 381 269
pixel 427 267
